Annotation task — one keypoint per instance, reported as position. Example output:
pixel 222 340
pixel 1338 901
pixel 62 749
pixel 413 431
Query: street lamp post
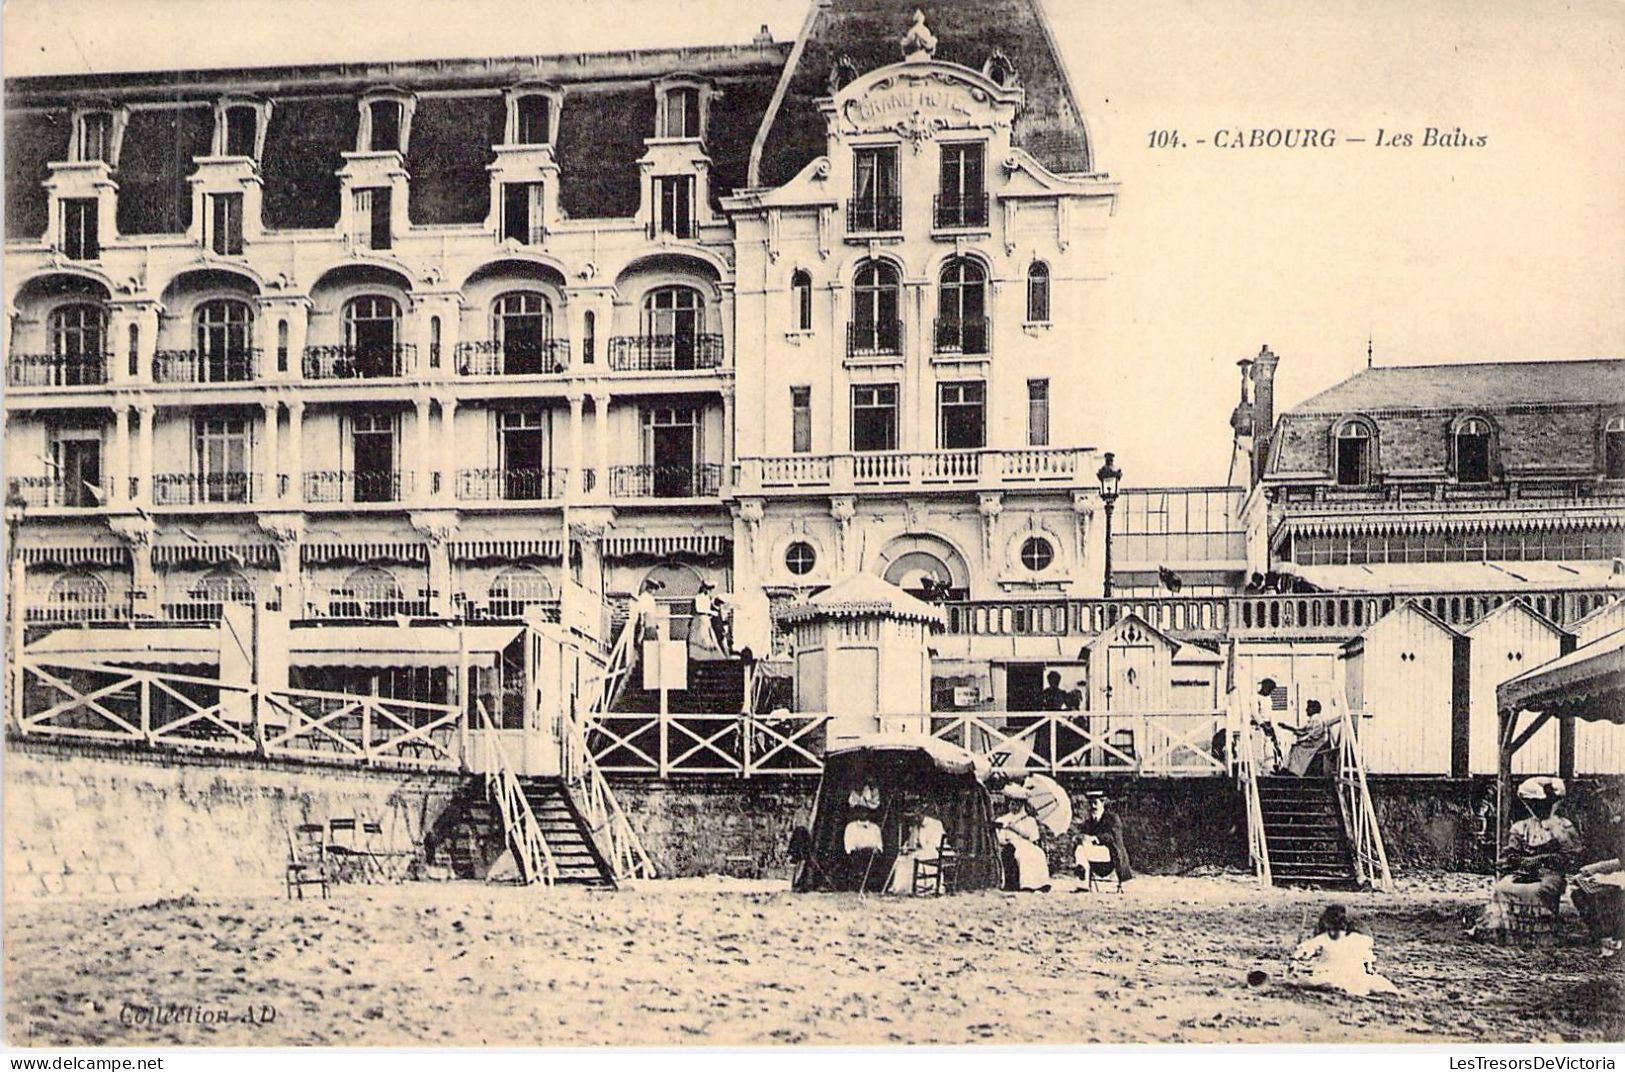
pixel 16 510
pixel 1110 478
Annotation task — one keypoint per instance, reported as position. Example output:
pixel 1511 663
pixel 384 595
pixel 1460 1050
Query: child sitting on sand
pixel 1339 957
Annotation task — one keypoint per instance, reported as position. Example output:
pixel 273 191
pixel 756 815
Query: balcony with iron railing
pixel 57 370
pixel 665 353
pixel 509 485
pixel 369 604
pixel 512 357
pixel 874 215
pixel 874 338
pixel 865 469
pixel 699 481
pixel 345 362
pixel 962 335
pixel 194 366
pixel 49 492
pixel 959 212
pixel 190 489
pixel 352 486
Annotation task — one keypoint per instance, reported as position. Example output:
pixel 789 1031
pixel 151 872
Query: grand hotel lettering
pixel 915 110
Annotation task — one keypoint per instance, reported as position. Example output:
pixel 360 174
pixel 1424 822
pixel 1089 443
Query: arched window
pixel 876 302
pixel 1613 449
pixel 1474 443
pixel 1353 445
pixel 434 342
pixel 368 592
pixel 514 590
pixel 282 346
pixel 216 589
pixel 962 308
pixel 589 338
pixel 77 597
pixel 78 341
pixel 134 351
pixel 801 292
pixel 1038 293
pixel 673 326
pixel 522 329
pixel 224 330
pixel 922 574
pixel 372 326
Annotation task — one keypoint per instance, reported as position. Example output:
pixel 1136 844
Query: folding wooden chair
pixel 307 859
pixel 939 876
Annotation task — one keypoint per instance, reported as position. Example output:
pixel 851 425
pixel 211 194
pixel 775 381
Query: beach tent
pixel 890 780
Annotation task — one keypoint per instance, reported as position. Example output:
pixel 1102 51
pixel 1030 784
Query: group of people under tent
pixel 721 625
pixel 1542 859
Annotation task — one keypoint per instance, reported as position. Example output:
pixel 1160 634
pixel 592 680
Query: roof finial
pixel 919 44
pixel 1368 350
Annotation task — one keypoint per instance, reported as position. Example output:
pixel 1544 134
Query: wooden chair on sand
pixel 307 859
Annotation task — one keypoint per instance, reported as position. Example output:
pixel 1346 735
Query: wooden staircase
pixel 1304 830
pixel 575 855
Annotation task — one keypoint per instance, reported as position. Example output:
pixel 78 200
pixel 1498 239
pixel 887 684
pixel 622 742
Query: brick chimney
pixel 1263 380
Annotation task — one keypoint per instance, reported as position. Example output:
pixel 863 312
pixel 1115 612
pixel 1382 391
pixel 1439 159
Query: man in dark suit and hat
pixel 1101 851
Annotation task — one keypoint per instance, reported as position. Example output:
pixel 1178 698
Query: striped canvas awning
pixel 1437 524
pixel 259 555
pixel 83 555
pixel 504 550
pixel 321 554
pixel 674 543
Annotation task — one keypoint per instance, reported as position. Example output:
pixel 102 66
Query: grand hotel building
pixel 364 336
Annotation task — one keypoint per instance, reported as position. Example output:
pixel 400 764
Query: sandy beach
pixel 719 961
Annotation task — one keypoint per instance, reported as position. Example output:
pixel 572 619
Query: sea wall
pixel 87 820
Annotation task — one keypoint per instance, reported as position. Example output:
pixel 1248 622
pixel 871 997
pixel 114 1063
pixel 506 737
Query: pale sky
pixel 1512 251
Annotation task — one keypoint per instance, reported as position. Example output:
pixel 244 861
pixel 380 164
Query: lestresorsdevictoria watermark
pixel 1532 1064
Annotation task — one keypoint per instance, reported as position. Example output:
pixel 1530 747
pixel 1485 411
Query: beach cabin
pixel 1136 668
pixel 1407 676
pixel 1506 642
pixel 1599 748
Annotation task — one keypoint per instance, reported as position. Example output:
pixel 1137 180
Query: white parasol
pixel 1049 803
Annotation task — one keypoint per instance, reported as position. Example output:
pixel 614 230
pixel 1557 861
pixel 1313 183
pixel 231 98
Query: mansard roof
pixel 1479 385
pixel 1050 125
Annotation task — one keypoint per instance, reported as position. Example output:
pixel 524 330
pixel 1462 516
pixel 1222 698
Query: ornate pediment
pixel 918 103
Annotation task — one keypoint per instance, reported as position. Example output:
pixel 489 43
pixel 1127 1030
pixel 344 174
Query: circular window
pixel 799 558
pixel 1037 554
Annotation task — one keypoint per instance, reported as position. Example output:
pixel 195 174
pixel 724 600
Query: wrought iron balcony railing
pixel 963 210
pixel 963 335
pixel 357 603
pixel 341 485
pixel 194 366
pixel 700 481
pixel 56 370
pixel 186 489
pixel 665 353
pixel 512 357
pixel 874 338
pixel 56 491
pixel 359 362
pixel 488 485
pixel 874 214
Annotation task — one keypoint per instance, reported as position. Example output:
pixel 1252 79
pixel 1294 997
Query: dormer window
pixel 533 115
pixel 1353 445
pixel 674 205
pixel 680 112
pixel 1474 441
pixel 242 130
pixel 386 122
pixel 1613 449
pixel 96 136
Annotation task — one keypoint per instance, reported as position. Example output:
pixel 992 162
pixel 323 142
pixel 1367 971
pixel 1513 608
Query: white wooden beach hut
pixel 1509 640
pixel 1408 675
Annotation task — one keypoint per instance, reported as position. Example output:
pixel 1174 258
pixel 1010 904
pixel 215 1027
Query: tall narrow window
pixel 1613 449
pixel 95 137
pixel 226 224
pixel 876 201
pixel 876 303
pixel 674 205
pixel 962 415
pixel 78 344
pixel 1038 292
pixel 371 328
pixel 1354 454
pixel 76 461
pixel 282 346
pixel 386 127
pixel 372 217
pixel 522 328
pixel 800 420
pixel 134 351
pixel 1038 413
pixel 673 329
pixel 589 338
pixel 962 197
pixel 373 442
pixel 525 470
pixel 221 451
pixel 962 308
pixel 81 238
pixel 242 130
pixel 874 417
pixel 680 113
pixel 533 120
pixel 671 453
pixel 434 342
pixel 801 292
pixel 224 342
pixel 1473 451
pixel 522 212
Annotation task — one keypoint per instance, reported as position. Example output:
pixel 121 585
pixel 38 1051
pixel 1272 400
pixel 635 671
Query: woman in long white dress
pixel 1020 832
pixel 924 844
pixel 1339 957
